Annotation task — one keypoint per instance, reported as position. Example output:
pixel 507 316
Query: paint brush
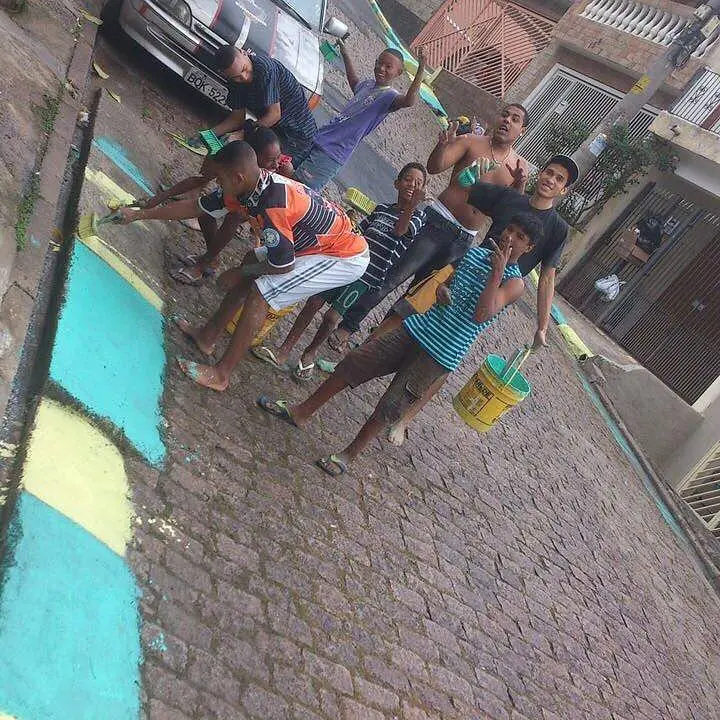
pixel 88 224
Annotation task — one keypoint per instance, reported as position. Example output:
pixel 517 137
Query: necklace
pixel 492 152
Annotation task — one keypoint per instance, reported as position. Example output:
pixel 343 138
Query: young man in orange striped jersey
pixel 308 247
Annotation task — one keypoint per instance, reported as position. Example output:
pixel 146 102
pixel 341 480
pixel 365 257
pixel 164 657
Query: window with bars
pixel 701 490
pixel 701 102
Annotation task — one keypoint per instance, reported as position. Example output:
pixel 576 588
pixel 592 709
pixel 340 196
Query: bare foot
pixel 230 278
pixel 338 341
pixel 194 334
pixel 397 434
pixel 205 375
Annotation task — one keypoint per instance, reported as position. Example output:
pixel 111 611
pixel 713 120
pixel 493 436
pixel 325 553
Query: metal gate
pixel 668 313
pixel 487 43
pixel 701 490
pixel 566 97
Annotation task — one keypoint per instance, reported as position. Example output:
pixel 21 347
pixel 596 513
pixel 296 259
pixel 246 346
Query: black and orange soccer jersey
pixel 292 219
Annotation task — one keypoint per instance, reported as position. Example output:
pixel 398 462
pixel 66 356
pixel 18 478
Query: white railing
pixel 701 490
pixel 700 101
pixel 644 21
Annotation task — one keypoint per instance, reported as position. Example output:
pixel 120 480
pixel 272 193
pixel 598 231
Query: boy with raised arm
pixel 372 101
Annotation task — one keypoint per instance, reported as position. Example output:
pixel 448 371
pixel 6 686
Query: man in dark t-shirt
pixel 264 87
pixel 502 204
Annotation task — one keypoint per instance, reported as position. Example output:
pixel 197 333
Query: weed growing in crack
pixel 46 114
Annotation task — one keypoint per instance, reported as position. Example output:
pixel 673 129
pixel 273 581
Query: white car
pixel 184 34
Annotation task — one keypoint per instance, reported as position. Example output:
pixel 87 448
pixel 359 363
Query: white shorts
pixel 311 275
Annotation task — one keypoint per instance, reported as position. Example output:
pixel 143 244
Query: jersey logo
pixel 270 237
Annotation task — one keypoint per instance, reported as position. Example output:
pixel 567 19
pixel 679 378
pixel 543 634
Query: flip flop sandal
pixel 276 408
pixel 327 366
pixel 192 260
pixel 264 353
pixel 176 320
pixel 303 373
pixel 332 465
pixel 183 275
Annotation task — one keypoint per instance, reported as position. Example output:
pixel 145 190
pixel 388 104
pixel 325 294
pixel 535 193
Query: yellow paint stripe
pixel 108 185
pixel 75 469
pixel 123 267
pixel 574 343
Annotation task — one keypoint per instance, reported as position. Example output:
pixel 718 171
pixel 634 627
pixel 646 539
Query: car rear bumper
pixel 179 48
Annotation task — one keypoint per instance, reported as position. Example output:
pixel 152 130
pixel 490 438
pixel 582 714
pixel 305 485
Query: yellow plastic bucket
pixel 486 397
pixel 270 321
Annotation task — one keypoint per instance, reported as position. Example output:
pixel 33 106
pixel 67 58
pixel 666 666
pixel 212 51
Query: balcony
pixel 628 35
pixel 693 127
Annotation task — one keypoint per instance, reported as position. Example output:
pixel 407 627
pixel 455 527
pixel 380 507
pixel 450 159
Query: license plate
pixel 206 85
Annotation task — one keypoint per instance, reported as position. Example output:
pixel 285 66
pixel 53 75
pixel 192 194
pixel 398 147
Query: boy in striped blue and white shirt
pixel 427 347
pixel 389 231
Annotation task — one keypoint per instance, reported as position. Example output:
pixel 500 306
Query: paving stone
pixel 518 574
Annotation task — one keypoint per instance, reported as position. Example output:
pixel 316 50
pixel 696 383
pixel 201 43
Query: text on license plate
pixel 200 81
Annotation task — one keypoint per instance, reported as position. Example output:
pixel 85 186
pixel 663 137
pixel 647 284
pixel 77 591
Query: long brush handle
pixel 513 365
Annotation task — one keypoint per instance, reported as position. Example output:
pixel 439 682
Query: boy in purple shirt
pixel 371 102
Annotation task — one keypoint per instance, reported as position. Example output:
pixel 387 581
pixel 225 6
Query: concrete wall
pixel 694 447
pixel 659 420
pixel 461 98
pixel 620 50
pixel 556 53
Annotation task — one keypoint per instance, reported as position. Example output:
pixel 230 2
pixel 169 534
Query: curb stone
pixel 23 308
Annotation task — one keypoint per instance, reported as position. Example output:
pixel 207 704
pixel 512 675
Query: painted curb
pixel 574 344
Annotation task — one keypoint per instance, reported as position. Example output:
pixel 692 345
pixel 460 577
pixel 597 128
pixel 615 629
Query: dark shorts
pixel 438 244
pixel 342 299
pixel 415 371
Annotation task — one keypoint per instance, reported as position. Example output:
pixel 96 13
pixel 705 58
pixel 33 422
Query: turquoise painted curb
pixel 109 352
pixel 69 623
pixel 116 153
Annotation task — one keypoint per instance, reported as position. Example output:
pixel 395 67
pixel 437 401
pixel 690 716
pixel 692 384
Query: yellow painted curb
pixel 72 467
pixel 576 346
pixel 108 185
pixel 123 267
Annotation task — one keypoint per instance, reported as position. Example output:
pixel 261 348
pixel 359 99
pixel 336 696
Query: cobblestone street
pixel 523 574
pixel 520 574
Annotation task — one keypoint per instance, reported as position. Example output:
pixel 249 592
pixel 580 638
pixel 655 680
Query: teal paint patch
pixel 69 625
pixel 558 316
pixel 109 352
pixel 116 153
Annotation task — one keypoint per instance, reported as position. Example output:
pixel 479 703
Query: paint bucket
pixel 270 321
pixel 329 52
pixel 494 389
